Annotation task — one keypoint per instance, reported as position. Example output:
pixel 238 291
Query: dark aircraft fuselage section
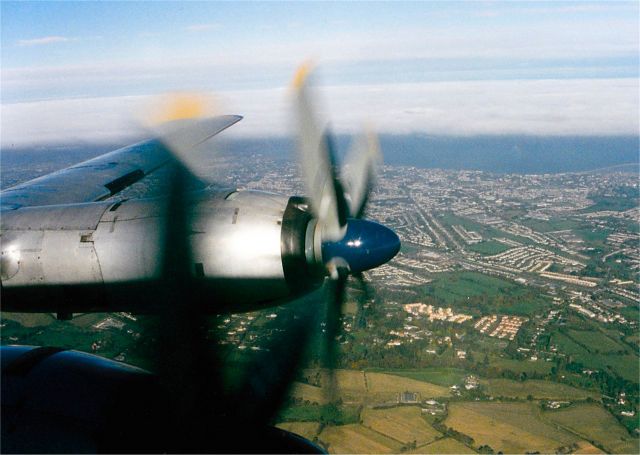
pixel 248 249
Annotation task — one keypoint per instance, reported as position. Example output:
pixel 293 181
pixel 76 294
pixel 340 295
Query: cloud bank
pixel 532 107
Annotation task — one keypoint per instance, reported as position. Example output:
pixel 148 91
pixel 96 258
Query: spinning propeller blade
pixel 338 200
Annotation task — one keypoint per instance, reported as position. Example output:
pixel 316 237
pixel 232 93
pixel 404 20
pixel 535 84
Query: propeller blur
pixel 65 248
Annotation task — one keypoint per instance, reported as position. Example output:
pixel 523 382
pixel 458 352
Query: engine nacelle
pixel 248 249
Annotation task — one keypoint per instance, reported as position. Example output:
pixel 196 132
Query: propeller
pixel 338 200
pixel 189 363
pixel 203 409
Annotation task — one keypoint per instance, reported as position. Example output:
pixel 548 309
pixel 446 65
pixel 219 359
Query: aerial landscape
pixel 513 304
pixel 509 320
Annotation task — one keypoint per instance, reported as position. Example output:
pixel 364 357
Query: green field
pixel 441 376
pixel 551 225
pixel 521 366
pixel 593 423
pixel 594 237
pixel 385 387
pixel 488 247
pixel 444 445
pixel 76 334
pixel 507 427
pixel 618 204
pixel 537 389
pixel 409 248
pixel 594 341
pixel 620 270
pixel 633 340
pixel 356 439
pixel 498 295
pixel 337 415
pixel 358 387
pixel 625 365
pixel 30 319
pixel 487 232
pixel 403 424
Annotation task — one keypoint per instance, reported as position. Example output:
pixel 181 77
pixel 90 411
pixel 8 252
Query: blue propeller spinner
pixel 366 245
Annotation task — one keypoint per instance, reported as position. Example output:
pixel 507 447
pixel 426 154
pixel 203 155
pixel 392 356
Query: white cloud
pixel 542 107
pixel 42 41
pixel 69 121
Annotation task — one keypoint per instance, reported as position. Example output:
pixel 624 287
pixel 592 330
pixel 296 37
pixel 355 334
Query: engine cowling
pixel 249 249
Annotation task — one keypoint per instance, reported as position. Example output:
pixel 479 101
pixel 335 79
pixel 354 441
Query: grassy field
pixel 356 439
pixel 488 247
pixel 521 366
pixel 403 424
pixel 351 380
pixel 594 341
pixel 306 392
pixel 537 389
pixel 350 385
pixel 615 203
pixel 457 288
pixel 75 334
pixel 592 236
pixel 307 430
pixel 30 319
pixel 553 224
pixel 631 312
pixel 567 345
pixel 586 448
pixel 633 339
pixel 358 387
pixel 443 376
pixel 594 423
pixel 337 415
pixel 444 445
pixel 487 232
pixel 625 365
pixel 507 427
pixel 385 387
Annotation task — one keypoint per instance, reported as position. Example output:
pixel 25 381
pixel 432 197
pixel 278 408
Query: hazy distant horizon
pixel 508 154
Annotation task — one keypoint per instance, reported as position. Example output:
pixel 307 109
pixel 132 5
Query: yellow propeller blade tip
pixel 182 106
pixel 302 74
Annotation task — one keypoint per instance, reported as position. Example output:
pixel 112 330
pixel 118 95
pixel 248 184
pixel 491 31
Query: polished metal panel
pixel 54 217
pixel 50 245
pixel 48 257
pixel 66 259
pixel 240 236
pixel 20 264
pixel 235 240
pixel 130 249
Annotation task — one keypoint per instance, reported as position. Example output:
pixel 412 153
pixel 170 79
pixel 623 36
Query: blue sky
pixel 438 67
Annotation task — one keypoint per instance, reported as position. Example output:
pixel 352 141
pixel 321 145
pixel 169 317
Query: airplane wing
pixel 108 174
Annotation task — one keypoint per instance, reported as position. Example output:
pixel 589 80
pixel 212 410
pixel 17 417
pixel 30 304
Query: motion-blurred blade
pixel 359 172
pixel 365 295
pixel 271 372
pixel 184 362
pixel 182 136
pixel 316 163
pixel 183 122
pixel 334 302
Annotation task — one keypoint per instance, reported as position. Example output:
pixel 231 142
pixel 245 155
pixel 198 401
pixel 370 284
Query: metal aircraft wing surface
pixel 108 174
